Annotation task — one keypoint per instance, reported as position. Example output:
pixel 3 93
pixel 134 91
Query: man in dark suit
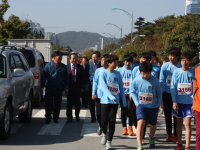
pixel 76 87
pixel 84 95
pixel 90 70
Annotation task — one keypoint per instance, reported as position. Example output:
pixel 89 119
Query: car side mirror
pixel 18 72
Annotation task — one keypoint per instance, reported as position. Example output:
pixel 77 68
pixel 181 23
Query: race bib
pixel 169 80
pixel 126 83
pixel 113 88
pixel 145 98
pixel 184 88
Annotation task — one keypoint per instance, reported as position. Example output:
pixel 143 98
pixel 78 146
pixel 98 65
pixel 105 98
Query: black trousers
pixel 92 105
pixel 53 98
pixel 98 110
pixel 84 96
pixel 129 111
pixel 168 104
pixel 73 97
pixel 108 113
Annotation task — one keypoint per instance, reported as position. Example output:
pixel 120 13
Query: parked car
pixel 36 63
pixel 16 89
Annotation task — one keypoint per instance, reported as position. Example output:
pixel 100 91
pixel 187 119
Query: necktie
pixel 73 73
pixel 95 66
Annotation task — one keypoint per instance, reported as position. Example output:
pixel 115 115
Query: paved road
pixel 76 135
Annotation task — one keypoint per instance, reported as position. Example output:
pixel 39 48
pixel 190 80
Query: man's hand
pixel 93 97
pixel 130 98
pixel 82 90
pixel 41 90
pixel 66 91
pixel 175 106
pixel 87 87
pixel 192 109
pixel 137 105
pixel 115 100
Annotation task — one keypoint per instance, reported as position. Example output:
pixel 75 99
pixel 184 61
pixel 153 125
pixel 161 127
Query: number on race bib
pixel 169 79
pixel 113 88
pixel 146 98
pixel 184 88
pixel 126 83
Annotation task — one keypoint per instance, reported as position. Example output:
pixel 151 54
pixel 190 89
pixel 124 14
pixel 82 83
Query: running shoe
pixel 140 147
pixel 176 139
pixel 187 148
pixel 104 139
pixel 179 147
pixel 161 111
pixel 108 145
pixel 99 131
pixel 130 131
pixel 124 132
pixel 151 143
pixel 169 138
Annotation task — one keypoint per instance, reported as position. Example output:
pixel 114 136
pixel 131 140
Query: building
pixel 35 27
pixel 52 36
pixel 94 48
pixel 192 6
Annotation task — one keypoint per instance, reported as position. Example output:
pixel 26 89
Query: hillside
pixel 81 41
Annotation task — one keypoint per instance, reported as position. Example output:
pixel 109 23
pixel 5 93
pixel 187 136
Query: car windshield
pixel 29 57
pixel 2 67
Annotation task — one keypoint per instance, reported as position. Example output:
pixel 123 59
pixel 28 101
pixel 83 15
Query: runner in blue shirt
pixel 155 67
pixel 166 72
pixel 97 93
pixel 111 85
pixel 182 97
pixel 147 95
pixel 130 110
pixel 133 63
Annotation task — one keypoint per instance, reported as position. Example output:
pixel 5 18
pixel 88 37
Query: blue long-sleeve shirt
pixel 182 87
pixel 146 92
pixel 166 72
pixel 55 76
pixel 126 78
pixel 111 83
pixel 96 87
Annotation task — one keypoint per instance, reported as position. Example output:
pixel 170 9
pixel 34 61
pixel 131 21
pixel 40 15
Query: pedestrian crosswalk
pixel 87 129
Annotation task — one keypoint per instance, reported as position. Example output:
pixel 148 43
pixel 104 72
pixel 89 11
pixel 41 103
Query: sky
pixel 92 15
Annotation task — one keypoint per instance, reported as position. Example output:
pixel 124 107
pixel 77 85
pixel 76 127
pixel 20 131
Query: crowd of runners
pixel 140 90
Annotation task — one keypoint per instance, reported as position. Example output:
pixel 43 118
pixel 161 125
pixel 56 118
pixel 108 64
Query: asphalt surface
pixel 77 135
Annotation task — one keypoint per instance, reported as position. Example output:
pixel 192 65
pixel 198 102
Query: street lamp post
pixel 110 35
pixel 120 29
pixel 130 16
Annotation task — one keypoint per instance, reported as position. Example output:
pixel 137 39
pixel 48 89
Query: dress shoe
pixel 55 121
pixel 69 121
pixel 93 120
pixel 47 122
pixel 77 119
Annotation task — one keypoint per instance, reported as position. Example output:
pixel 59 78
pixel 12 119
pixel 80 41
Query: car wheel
pixel 37 100
pixel 5 123
pixel 26 116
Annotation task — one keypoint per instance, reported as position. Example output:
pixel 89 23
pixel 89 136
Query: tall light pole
pixel 110 35
pixel 101 42
pixel 120 29
pixel 130 16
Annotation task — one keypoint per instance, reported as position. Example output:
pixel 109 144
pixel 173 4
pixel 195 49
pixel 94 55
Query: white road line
pixel 88 129
pixel 39 114
pixel 15 127
pixel 52 128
